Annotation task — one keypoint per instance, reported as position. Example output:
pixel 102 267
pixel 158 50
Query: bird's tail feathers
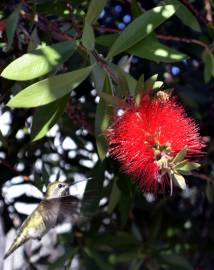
pixel 20 239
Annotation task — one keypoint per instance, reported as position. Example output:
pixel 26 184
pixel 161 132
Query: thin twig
pixel 103 63
pixel 45 25
pixel 77 116
pixel 160 36
pixel 203 176
pixel 73 20
pixel 14 170
pixel 184 40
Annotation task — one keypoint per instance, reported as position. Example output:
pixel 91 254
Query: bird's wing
pixel 49 213
pixel 56 210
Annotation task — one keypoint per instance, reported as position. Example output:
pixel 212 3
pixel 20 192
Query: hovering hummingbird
pixel 55 207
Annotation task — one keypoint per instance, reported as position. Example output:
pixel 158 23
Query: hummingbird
pixel 54 208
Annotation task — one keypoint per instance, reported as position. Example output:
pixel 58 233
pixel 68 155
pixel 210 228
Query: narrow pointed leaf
pixel 88 38
pixel 107 40
pixel 94 10
pixel 140 28
pixel 185 15
pixel 127 196
pixel 98 259
pixel 152 82
pixel 123 88
pixel 175 262
pixel 113 100
pixel 180 164
pixel 140 85
pixel 39 62
pixel 208 60
pixel 102 121
pixel 114 197
pixel 34 41
pixel 124 257
pixel 150 48
pixel 49 90
pixel 46 116
pixel 210 191
pixel 188 166
pixel 180 156
pixel 129 79
pixel 98 75
pixel 179 180
pixel 136 8
pixel 11 24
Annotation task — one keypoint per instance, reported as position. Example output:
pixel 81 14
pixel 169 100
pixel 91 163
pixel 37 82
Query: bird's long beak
pixel 68 187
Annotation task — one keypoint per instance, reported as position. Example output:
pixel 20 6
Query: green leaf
pixel 156 226
pixel 127 195
pixel 140 28
pixel 50 8
pixel 125 208
pixel 135 8
pixel 150 48
pixel 210 192
pixel 11 25
pixel 140 88
pixel 179 180
pixel 98 259
pixel 180 164
pixel 102 121
pixel 114 197
pixel 46 116
pixel 34 42
pixel 185 15
pixel 124 63
pixel 49 90
pixel 208 60
pixel 129 79
pixel 88 38
pixel 118 240
pixel 140 85
pixel 94 10
pixel 152 82
pixel 176 262
pixel 39 62
pixel 180 156
pixel 137 264
pixel 98 75
pixel 123 257
pixel 187 167
pixel 113 100
pixel 122 87
pixel 107 40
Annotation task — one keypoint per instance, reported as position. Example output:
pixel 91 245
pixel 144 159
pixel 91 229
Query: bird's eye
pixel 60 186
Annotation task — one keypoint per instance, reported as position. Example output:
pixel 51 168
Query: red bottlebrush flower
pixel 147 137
